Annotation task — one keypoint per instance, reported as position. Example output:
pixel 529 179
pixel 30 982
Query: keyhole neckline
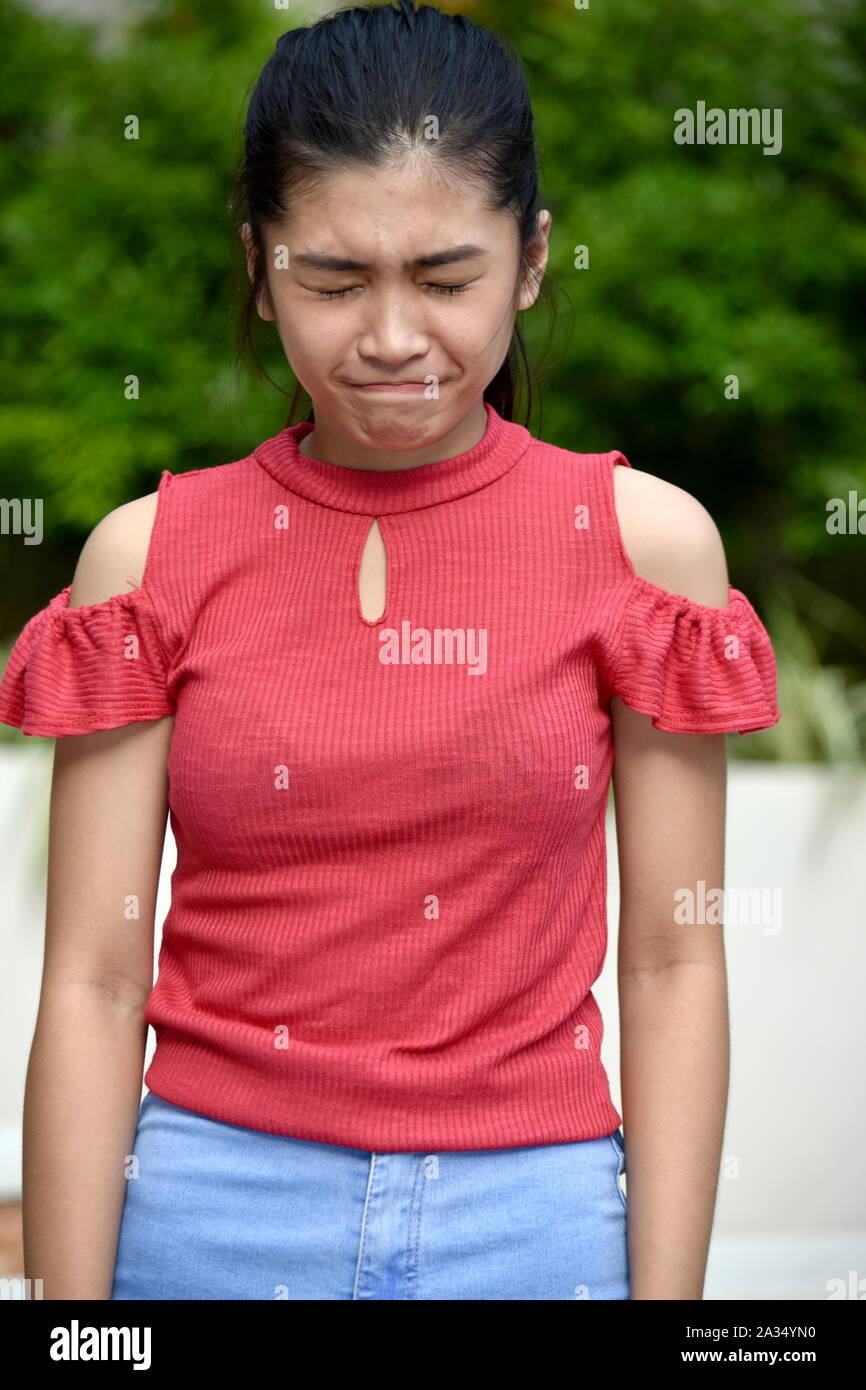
pixel 381 493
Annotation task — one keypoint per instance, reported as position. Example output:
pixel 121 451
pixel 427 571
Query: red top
pixel 388 910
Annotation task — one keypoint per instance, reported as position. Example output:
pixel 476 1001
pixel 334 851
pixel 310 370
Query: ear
pixel 264 304
pixel 537 253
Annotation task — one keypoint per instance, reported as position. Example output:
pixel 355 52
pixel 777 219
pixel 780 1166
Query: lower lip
pixel 408 388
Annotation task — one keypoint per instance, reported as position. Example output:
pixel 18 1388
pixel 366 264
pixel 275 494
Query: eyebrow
pixel 319 261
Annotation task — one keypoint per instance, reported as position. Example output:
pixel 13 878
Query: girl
pixel 377 673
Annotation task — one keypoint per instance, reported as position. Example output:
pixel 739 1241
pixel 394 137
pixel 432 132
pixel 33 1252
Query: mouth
pixel 398 387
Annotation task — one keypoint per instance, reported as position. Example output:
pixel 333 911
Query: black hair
pixel 359 86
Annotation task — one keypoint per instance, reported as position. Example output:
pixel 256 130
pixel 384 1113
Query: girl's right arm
pixel 106 831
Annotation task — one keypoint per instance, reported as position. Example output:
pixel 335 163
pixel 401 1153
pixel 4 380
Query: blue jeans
pixel 221 1212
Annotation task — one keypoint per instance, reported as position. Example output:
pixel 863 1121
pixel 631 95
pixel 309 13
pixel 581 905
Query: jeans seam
pixel 363 1240
pixel 409 1262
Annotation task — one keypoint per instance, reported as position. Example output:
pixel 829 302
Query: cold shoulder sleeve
pixel 694 669
pixel 79 670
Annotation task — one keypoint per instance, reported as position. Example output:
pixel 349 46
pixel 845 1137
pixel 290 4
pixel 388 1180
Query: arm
pixel 669 793
pixel 106 831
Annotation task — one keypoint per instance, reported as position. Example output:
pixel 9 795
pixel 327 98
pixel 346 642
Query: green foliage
pixel 704 261
pixel 710 260
pixel 117 253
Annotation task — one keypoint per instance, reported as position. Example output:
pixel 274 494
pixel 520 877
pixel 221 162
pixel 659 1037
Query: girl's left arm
pixel 669 795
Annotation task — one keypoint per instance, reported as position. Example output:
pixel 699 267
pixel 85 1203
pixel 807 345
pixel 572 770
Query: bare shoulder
pixel 670 537
pixel 113 557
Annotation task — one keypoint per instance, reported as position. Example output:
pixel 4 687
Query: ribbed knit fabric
pixel 388 910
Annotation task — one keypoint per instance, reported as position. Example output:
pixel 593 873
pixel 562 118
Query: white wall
pixel 791 1214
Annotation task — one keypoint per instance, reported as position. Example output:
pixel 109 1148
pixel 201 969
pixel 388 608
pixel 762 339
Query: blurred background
pixel 707 265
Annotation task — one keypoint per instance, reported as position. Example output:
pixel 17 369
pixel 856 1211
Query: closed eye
pixel 440 289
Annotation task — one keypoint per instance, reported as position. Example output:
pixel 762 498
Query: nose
pixel 395 330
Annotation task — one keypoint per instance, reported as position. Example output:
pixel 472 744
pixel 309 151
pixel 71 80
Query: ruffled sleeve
pixel 692 668
pixel 78 670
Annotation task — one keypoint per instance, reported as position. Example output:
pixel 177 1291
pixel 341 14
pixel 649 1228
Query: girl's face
pixel 356 301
